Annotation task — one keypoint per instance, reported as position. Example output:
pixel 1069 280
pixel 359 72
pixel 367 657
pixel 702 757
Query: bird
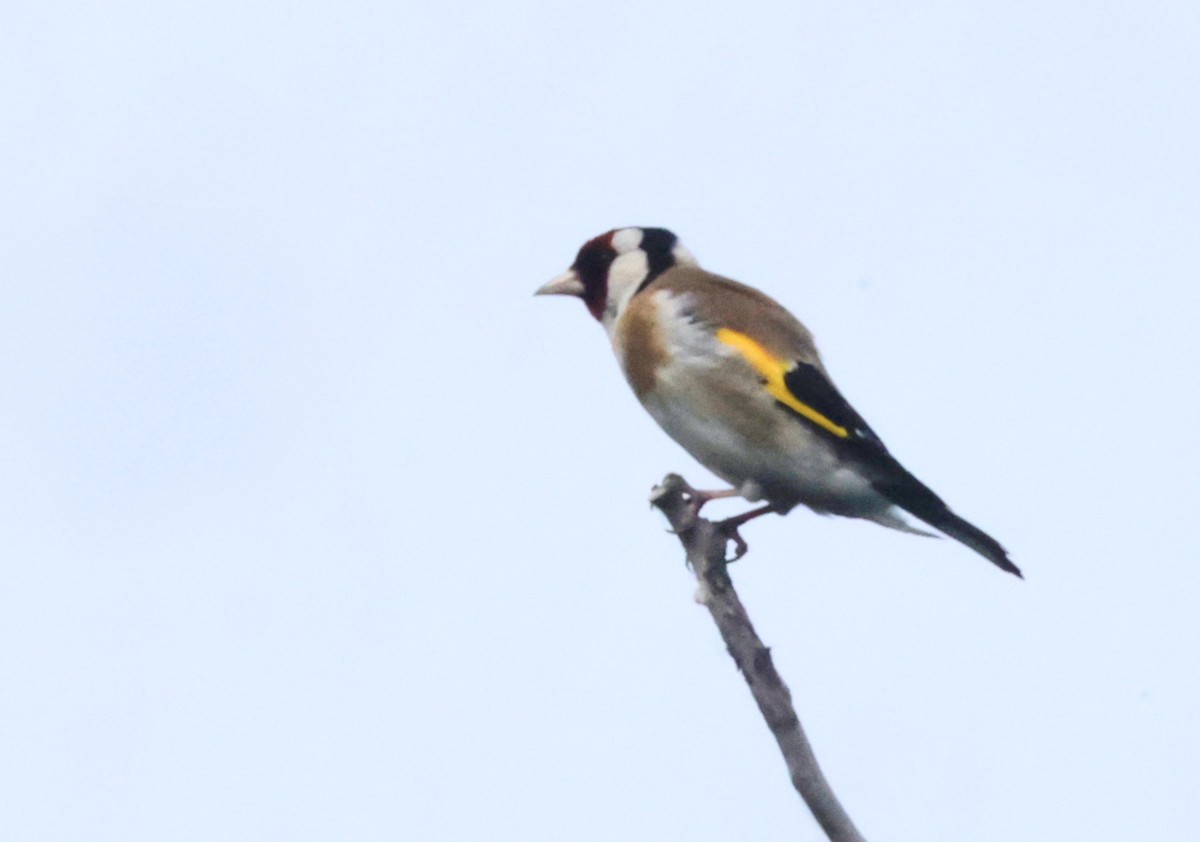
pixel 737 381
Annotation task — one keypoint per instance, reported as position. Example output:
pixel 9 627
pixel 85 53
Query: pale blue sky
pixel 316 525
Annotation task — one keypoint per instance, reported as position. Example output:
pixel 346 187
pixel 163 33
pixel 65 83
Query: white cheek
pixel 625 275
pixel 627 272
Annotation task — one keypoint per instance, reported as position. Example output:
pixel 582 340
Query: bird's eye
pixel 597 259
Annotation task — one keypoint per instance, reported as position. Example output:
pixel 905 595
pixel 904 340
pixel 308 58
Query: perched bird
pixel 735 379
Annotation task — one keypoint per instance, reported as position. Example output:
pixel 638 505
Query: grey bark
pixel 704 543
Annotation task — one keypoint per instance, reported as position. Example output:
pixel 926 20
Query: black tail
pixel 915 498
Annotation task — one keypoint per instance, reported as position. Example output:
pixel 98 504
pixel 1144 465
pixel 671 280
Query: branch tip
pixel 704 543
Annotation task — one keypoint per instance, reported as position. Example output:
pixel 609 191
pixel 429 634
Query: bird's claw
pixel 729 529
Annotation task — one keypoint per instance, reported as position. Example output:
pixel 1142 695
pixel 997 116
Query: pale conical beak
pixel 567 283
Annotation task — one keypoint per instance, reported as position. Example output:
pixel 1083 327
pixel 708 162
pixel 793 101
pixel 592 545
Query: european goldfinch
pixel 737 381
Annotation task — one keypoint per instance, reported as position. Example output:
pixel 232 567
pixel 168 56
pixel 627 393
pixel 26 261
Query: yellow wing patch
pixel 772 369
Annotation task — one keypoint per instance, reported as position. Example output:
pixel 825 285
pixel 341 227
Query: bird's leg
pixel 699 498
pixel 694 499
pixel 729 527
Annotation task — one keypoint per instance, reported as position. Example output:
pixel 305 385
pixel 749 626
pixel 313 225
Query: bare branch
pixel 705 542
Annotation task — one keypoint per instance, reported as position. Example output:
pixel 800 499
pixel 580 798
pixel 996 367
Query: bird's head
pixel 611 268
